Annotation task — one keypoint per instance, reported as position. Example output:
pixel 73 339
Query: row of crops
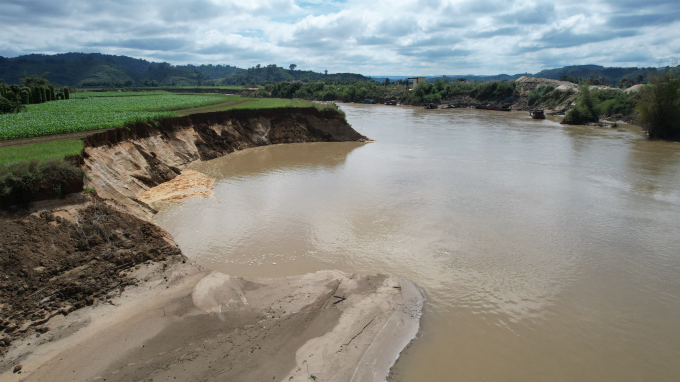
pixel 92 111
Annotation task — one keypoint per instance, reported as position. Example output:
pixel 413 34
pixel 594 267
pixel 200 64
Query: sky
pixel 379 37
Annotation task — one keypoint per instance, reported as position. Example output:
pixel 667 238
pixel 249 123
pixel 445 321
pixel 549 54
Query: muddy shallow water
pixel 547 252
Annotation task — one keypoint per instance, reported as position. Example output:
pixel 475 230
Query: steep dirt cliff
pixel 124 163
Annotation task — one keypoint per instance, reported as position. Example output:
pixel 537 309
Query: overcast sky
pixel 370 37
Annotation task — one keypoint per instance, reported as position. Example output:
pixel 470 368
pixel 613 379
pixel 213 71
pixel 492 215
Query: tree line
pixel 32 90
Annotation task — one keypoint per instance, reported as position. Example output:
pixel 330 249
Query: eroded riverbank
pixel 91 288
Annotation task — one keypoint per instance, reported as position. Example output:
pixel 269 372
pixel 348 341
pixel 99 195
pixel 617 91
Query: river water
pixel 546 252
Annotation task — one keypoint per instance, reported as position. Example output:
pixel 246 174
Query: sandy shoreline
pixel 183 322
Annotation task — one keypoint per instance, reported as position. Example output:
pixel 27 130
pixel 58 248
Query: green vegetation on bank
pixel 584 111
pixel 548 96
pixel 659 107
pixel 359 91
pixel 591 105
pixel 21 181
pixel 92 111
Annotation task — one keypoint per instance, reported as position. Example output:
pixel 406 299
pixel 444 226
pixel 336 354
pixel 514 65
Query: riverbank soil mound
pixel 59 260
pixel 183 323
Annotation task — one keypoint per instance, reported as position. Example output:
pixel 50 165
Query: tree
pixel 325 72
pixel 33 80
pixel 659 106
pixel 292 67
pixel 639 79
pixel 5 106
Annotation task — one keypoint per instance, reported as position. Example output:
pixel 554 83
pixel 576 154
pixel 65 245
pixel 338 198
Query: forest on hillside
pixel 99 70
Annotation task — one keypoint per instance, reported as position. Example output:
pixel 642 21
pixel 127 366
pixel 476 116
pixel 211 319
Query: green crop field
pixel 92 111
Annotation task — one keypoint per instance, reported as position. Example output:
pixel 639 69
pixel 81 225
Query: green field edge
pixel 60 146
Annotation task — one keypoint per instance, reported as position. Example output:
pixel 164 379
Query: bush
pixel 20 182
pixel 584 111
pixel 543 91
pixel 66 95
pixel 659 106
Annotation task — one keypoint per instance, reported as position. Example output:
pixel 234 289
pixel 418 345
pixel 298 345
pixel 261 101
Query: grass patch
pixel 270 103
pixel 40 151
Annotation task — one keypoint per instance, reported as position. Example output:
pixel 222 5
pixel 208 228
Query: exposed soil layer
pixel 125 163
pixel 59 260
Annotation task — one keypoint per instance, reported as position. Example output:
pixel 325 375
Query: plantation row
pixel 32 94
pixel 92 112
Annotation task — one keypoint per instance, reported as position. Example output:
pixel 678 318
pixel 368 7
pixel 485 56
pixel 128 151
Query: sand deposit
pixel 183 323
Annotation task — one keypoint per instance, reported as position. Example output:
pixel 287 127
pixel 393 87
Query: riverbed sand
pixel 185 323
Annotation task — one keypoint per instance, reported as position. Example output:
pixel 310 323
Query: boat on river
pixel 489 107
pixel 537 114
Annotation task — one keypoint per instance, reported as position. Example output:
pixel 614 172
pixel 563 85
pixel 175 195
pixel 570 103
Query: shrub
pixel 66 95
pixel 659 106
pixel 19 182
pixel 543 91
pixel 584 111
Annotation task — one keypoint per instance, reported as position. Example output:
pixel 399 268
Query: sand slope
pixel 184 324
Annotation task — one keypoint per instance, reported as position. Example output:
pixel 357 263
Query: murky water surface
pixel 547 253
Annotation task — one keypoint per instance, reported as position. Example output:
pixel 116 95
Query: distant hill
pixel 273 73
pixel 101 70
pixel 612 75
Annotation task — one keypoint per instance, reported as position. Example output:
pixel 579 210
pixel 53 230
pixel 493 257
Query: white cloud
pixel 378 37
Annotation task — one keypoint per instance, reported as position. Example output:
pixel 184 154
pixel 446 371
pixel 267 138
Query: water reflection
pixel 656 165
pixel 257 161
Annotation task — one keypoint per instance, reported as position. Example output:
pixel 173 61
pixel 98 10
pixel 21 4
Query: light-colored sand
pixel 182 323
pixel 189 184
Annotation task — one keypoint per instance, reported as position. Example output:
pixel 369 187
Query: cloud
pixel 395 37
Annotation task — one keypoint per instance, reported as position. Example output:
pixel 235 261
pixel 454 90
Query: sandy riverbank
pixel 184 323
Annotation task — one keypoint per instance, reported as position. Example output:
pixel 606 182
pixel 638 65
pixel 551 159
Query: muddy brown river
pixel 547 252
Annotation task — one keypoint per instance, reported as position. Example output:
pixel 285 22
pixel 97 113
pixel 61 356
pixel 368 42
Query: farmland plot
pixel 92 111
